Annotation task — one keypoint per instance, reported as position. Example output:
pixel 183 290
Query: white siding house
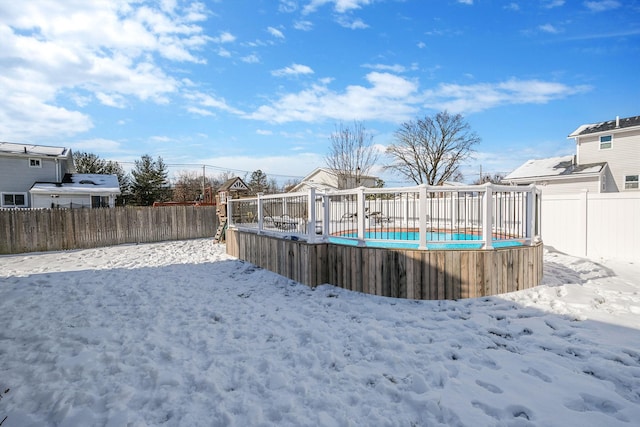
pixel 324 179
pixel 21 165
pixel 616 142
pixel 76 191
pixel 607 160
pixel 39 176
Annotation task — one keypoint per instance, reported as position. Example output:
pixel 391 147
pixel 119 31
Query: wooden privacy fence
pixel 59 229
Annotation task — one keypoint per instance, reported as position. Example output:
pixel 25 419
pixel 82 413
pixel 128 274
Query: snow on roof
pixel 554 167
pixel 608 126
pixel 33 150
pixel 80 183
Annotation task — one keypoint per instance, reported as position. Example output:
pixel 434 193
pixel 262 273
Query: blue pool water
pixel 409 240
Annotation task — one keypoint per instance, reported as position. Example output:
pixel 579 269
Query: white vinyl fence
pixel 425 215
pixel 593 225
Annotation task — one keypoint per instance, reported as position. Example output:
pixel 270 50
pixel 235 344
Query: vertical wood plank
pixel 480 271
pixel 441 271
pixel 464 274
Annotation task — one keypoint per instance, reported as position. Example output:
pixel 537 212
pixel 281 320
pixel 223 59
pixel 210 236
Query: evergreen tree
pixel 90 163
pixel 259 182
pixel 150 183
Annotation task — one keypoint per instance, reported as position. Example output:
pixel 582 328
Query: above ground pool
pixel 409 239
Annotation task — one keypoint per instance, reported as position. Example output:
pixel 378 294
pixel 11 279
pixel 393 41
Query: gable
pixel 234 184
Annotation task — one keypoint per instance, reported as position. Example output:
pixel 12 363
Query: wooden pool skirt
pixel 398 273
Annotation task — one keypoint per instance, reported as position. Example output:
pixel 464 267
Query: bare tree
pixel 430 150
pixel 496 178
pixel 351 154
pixel 289 184
pixel 187 187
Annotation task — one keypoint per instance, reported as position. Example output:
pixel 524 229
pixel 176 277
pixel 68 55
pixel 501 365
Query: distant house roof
pixel 234 184
pixel 33 150
pixel 606 126
pixel 554 167
pixel 325 179
pixel 79 183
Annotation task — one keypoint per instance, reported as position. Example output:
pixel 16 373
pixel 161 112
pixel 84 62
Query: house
pixel 607 160
pixel 21 165
pixel 38 176
pixel 324 179
pixel 78 190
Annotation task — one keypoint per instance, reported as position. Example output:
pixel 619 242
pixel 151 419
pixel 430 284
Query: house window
pixel 99 201
pixel 35 163
pixel 14 200
pixel 631 182
pixel 605 142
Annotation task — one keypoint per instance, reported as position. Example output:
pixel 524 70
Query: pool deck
pixel 394 272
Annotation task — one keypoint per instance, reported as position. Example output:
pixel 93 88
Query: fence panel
pixel 562 223
pixel 593 225
pixel 613 228
pixel 60 229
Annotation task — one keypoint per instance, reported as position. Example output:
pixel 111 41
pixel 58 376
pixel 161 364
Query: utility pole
pixel 203 180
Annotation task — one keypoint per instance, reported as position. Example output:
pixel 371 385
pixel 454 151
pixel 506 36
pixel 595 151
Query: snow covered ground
pixel 180 334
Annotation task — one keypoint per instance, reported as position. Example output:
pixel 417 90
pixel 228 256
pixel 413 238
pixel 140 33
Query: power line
pixel 221 169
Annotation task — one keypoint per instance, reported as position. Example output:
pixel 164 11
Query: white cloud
pixel 111 100
pixel 225 37
pixel 548 28
pixel 478 97
pixel 340 6
pixel 512 6
pixel 250 59
pixel 206 100
pixel 275 32
pixel 105 51
pixel 288 6
pixel 96 144
pixel 264 132
pixel 296 164
pixel 293 70
pixel 353 24
pixel 466 1
pixel 395 68
pixel 392 99
pixel 550 4
pixel 388 98
pixel 303 25
pixel 200 111
pixel 601 6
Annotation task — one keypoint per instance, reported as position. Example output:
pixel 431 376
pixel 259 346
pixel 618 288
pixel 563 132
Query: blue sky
pixel 241 85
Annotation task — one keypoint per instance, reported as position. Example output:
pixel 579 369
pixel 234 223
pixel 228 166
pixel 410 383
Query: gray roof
pixel 33 150
pixel 606 126
pixel 554 167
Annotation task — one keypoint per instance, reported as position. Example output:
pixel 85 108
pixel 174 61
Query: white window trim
pixel 39 165
pixel 610 142
pixel 637 182
pixel 26 199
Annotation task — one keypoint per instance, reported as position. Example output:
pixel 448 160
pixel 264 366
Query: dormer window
pixel 35 163
pixel 605 142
